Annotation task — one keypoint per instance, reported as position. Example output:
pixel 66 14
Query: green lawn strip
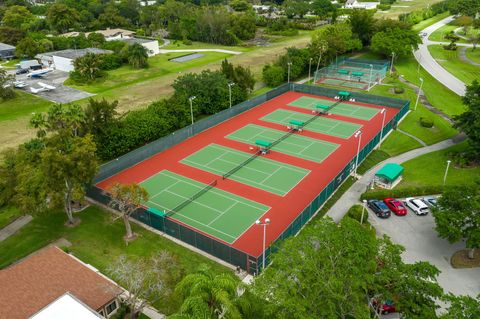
pixel 450 60
pixel 180 45
pixel 428 169
pixel 8 215
pixel 473 55
pixel 405 6
pixel 159 65
pixel 336 196
pixel 98 240
pixel 411 123
pixel 23 104
pixel 260 91
pixel 426 23
pixel 397 143
pixel 440 33
pixel 375 157
pixel 437 94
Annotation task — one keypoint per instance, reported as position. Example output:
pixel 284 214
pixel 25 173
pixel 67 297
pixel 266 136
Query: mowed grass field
pixel 404 6
pixel 450 60
pixel 473 55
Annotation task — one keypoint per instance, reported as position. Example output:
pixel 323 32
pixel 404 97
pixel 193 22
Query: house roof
pixel 67 306
pixel 4 47
pixel 71 53
pixel 39 279
pixel 390 171
pixel 137 40
pixel 106 33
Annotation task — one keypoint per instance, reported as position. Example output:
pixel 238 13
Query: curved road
pixel 424 57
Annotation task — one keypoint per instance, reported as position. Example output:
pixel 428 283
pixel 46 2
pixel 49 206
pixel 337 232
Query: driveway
pixel 421 242
pixel 424 57
pixel 61 94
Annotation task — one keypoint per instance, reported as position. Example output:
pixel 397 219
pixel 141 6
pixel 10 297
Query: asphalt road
pixel 424 57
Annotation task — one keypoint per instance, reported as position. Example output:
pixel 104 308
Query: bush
pixel 451 47
pixel 355 212
pixel 111 62
pixel 402 192
pixel 398 90
pixel 383 7
pixel 426 122
pixel 273 75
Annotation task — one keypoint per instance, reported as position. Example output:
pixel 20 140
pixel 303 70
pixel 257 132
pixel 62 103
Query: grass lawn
pixel 429 169
pixel 450 60
pixel 23 104
pixel 437 94
pixel 159 65
pixel 98 240
pixel 179 45
pixel 440 33
pixel 8 215
pixel 404 6
pixel 426 23
pixel 411 123
pixel 473 55
pixel 375 157
pixel 397 143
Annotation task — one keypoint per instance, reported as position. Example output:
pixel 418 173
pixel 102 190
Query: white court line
pixel 270 175
pixel 222 213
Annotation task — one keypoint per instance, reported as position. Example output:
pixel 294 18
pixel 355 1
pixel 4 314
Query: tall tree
pixel 137 56
pixel 111 17
pixel 127 198
pixel 89 66
pixel 457 216
pixel 6 88
pixel 144 279
pixel 99 114
pixel 462 307
pixel 322 8
pixel 399 41
pixel 362 23
pixel 18 17
pixel 206 295
pixel 61 17
pixel 469 121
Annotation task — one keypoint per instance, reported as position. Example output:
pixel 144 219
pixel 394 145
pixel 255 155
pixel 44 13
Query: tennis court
pixel 215 212
pixel 294 145
pixel 349 84
pixel 344 109
pixel 263 173
pixel 322 124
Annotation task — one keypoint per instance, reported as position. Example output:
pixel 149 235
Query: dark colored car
pixel 21 71
pixel 379 208
pixel 396 206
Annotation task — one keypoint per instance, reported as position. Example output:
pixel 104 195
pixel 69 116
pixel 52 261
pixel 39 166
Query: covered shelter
pixel 388 176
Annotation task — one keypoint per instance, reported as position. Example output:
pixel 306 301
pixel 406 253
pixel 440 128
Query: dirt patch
pixel 460 259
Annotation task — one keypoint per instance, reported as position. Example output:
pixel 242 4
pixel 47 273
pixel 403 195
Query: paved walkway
pixel 13 227
pixel 424 57
pixel 412 136
pixel 352 195
pixel 463 56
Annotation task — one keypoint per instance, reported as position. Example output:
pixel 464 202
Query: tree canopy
pixel 469 121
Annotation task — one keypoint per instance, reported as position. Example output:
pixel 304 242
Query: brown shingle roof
pixel 39 279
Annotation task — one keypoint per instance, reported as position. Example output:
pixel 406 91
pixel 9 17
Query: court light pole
pixel 418 95
pixel 446 172
pixel 191 106
pixel 264 224
pixel 370 81
pixel 363 210
pixel 391 65
pixel 309 69
pixel 358 135
pixel 230 92
pixel 289 64
pixel 384 112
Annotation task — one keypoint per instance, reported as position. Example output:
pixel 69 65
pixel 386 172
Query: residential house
pixel 6 51
pixel 63 60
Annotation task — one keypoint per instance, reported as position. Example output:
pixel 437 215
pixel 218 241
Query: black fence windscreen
pixel 252 264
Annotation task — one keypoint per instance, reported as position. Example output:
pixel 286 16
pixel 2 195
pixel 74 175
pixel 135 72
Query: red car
pixel 385 308
pixel 395 206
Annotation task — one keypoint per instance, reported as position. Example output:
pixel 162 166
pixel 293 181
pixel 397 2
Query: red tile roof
pixel 39 279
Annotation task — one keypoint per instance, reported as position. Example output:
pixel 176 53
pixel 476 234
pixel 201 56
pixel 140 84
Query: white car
pixel 416 205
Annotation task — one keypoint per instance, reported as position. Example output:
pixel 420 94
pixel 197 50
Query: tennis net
pixel 239 166
pixel 191 198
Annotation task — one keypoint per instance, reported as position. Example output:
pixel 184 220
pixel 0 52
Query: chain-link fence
pixel 252 264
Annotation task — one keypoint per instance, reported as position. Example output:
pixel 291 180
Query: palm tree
pixel 206 295
pixel 127 198
pixel 89 66
pixel 137 56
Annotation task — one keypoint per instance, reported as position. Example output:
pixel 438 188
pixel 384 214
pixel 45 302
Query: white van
pixel 417 205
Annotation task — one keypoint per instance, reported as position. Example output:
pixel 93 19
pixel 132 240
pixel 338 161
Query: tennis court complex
pixel 294 145
pixel 215 212
pixel 344 109
pixel 345 83
pixel 322 124
pixel 269 175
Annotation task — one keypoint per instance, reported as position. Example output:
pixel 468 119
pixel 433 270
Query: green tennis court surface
pixel 218 213
pixel 266 174
pixel 322 124
pixel 295 145
pixel 350 110
pixel 349 84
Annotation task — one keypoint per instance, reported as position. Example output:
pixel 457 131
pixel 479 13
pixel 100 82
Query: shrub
pixel 273 75
pixel 111 62
pixel 402 192
pixel 355 212
pixel 426 122
pixel 398 90
pixel 383 7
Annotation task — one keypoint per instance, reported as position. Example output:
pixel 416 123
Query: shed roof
pixel 4 47
pixel 390 171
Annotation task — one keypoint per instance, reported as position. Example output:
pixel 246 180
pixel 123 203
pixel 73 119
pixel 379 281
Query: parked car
pixel 386 307
pixel 379 208
pixel 431 201
pixel 417 205
pixel 396 206
pixel 21 71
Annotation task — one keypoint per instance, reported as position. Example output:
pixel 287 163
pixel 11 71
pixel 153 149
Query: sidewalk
pixel 13 227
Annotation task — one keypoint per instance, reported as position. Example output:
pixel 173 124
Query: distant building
pixel 40 281
pixel 109 34
pixel 7 51
pixel 63 60
pixel 354 4
pixel 151 45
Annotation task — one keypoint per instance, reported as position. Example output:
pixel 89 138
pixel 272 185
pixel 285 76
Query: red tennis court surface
pixel 284 209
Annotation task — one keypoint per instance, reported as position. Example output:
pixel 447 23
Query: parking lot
pixel 61 93
pixel 421 242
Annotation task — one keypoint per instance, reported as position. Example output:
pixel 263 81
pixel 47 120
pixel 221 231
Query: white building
pixel 354 4
pixel 109 34
pixel 63 60
pixel 151 45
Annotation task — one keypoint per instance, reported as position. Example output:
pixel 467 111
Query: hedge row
pixel 402 192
